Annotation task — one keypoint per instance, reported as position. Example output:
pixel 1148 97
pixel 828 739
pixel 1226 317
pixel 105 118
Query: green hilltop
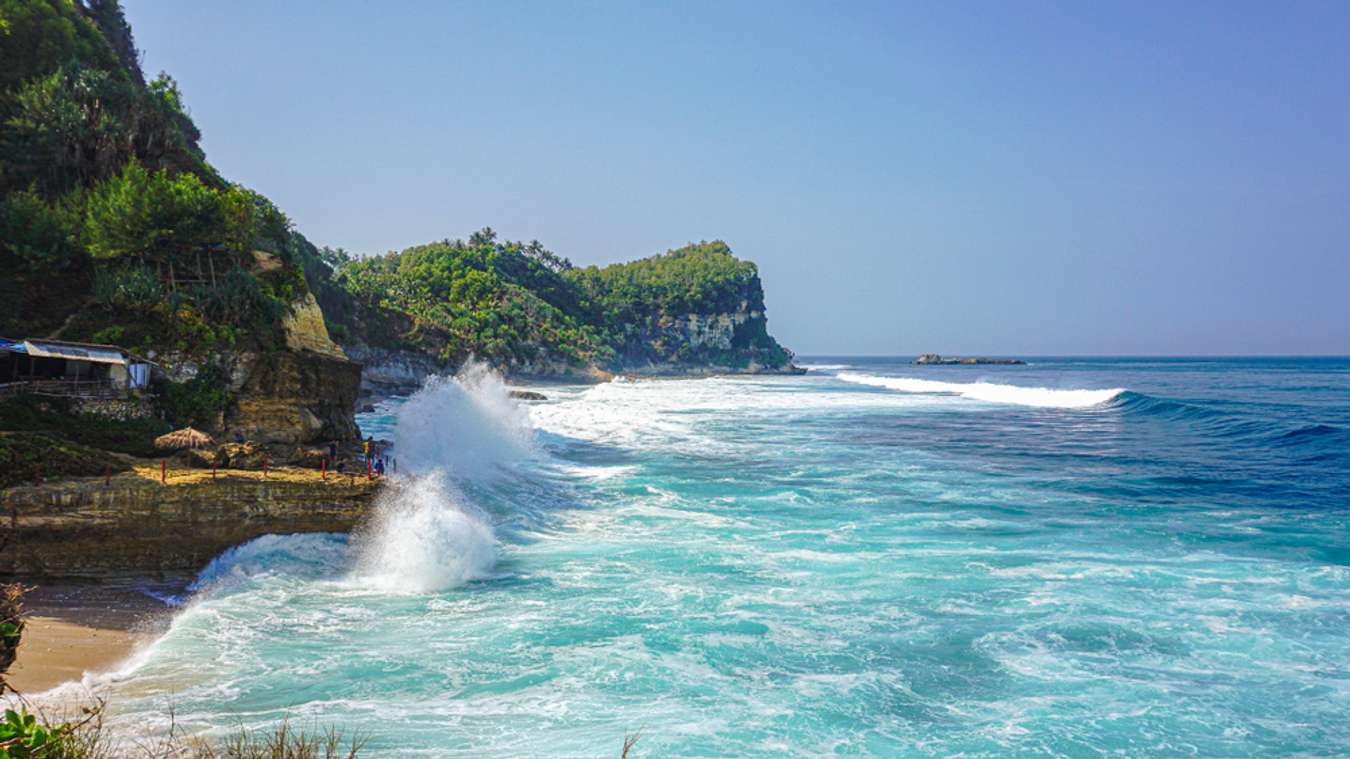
pixel 115 229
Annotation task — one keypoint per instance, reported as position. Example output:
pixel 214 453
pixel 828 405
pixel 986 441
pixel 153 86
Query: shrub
pixel 133 288
pixel 200 401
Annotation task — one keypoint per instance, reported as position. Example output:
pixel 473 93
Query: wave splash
pixel 427 535
pixel 1041 397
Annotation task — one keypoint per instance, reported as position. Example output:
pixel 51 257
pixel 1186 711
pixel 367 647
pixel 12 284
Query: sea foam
pixel 1043 397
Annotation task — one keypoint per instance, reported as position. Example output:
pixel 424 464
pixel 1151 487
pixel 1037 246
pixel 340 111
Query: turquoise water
pixel 1075 557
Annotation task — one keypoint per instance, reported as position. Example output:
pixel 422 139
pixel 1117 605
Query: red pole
pixel 323 469
pixel 163 471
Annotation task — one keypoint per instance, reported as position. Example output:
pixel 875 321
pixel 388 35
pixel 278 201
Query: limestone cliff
pixel 136 525
pixel 304 394
pixel 732 340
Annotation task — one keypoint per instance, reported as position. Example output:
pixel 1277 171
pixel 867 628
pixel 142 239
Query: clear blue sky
pixel 1018 178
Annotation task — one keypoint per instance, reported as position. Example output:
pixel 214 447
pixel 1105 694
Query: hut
pixel 57 367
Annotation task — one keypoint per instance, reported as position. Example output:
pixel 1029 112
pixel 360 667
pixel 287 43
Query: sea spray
pixel 425 537
pixel 467 426
pixel 427 534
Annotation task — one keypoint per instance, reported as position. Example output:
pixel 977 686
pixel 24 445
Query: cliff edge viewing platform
pixel 169 522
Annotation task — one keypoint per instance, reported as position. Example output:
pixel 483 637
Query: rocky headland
pixel 937 359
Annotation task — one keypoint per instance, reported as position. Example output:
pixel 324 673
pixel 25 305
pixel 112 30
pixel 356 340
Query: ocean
pixel 1076 557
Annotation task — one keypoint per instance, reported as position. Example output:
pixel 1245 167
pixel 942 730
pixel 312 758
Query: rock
pixel 81 528
pixel 934 358
pixel 308 457
pixel 306 330
pixel 204 458
pixel 528 395
pixel 242 455
pixel 297 397
pixel 367 408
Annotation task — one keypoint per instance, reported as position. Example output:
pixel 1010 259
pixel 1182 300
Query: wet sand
pixel 72 630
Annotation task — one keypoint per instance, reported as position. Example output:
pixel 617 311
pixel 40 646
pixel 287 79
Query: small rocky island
pixel 934 358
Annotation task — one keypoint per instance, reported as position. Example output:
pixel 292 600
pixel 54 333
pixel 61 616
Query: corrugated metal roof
pixel 98 354
pixel 14 346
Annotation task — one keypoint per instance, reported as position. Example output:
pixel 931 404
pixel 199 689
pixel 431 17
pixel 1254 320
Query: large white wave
pixel 425 536
pixel 425 533
pixel 467 425
pixel 1043 397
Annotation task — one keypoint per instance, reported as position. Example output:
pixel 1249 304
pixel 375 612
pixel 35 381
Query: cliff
pixel 136 526
pixel 528 312
pixel 305 393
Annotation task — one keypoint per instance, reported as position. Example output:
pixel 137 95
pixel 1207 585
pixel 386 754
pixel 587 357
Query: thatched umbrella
pixel 184 438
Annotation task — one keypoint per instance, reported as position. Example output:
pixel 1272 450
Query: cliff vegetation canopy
pixel 521 305
pixel 114 228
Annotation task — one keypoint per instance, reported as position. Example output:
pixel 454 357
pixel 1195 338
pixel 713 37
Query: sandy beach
pixel 72 630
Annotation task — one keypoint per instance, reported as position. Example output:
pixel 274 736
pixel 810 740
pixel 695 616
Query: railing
pixel 65 388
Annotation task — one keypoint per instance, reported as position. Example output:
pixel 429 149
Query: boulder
pixel 242 455
pixel 528 395
pixel 203 458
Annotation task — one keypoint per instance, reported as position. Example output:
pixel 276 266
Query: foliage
pixel 107 201
pixel 57 417
pixel 494 300
pixel 131 287
pixel 42 258
pixel 516 304
pixel 22 736
pixel 155 216
pixel 11 622
pixel 33 736
pixel 702 278
pixel 199 402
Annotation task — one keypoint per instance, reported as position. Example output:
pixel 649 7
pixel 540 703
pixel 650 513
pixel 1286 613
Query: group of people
pixel 372 454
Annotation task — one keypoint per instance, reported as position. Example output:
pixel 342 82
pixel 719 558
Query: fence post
pixel 323 468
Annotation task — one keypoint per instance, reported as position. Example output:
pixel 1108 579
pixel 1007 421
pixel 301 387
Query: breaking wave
pixel 426 533
pixel 1042 397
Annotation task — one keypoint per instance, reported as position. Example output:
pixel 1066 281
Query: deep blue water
pixel 1076 557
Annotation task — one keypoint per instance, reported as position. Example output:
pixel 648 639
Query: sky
pixel 1029 178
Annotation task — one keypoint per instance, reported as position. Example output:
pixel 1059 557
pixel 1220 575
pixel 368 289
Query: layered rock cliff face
pixel 137 526
pixel 731 341
pixel 295 397
pixel 305 394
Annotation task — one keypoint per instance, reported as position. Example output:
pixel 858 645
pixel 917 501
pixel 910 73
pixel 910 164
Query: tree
pixel 157 218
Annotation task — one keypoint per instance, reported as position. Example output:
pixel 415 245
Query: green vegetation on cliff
pixel 113 227
pixel 520 306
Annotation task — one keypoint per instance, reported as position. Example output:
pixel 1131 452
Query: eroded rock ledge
pixel 137 526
